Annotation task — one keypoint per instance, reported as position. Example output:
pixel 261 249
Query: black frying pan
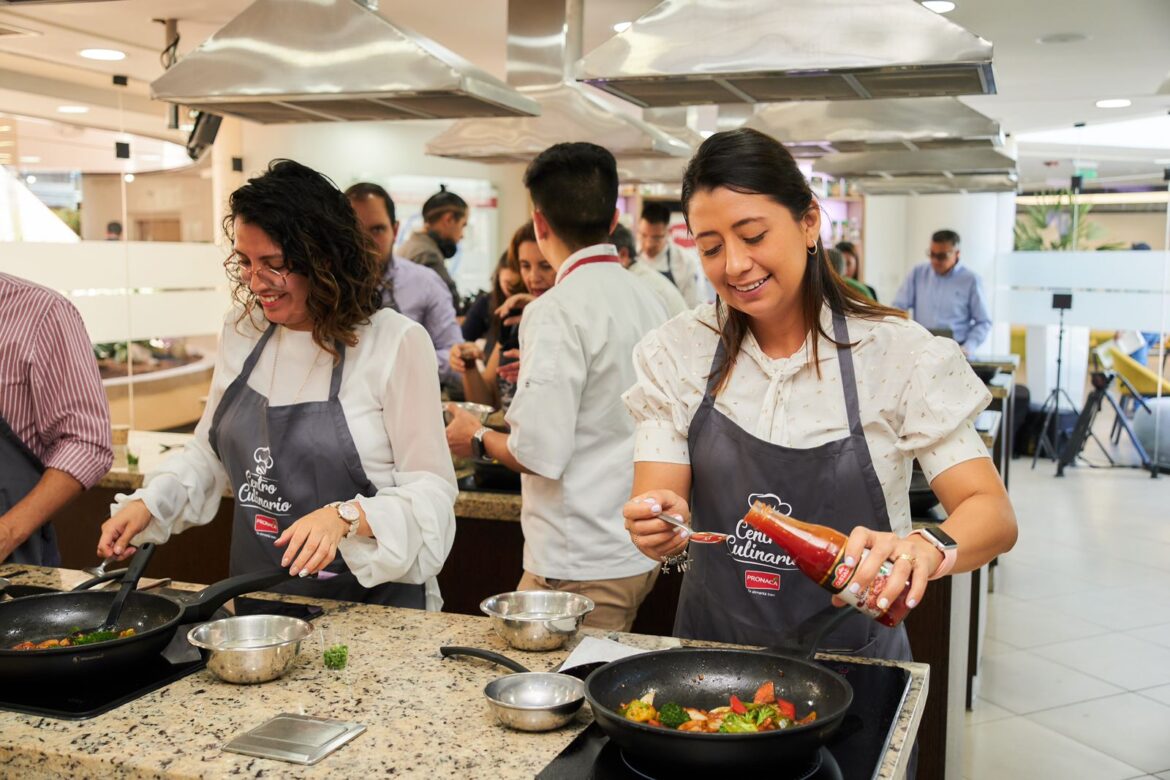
pixel 154 617
pixel 706 678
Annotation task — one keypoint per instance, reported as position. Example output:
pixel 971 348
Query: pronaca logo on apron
pixel 260 491
pixel 749 547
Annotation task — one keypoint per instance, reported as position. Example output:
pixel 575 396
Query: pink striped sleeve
pixel 69 403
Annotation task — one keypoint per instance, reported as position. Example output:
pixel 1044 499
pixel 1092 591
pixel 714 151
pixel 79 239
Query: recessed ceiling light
pixel 621 27
pixel 939 6
pixel 128 178
pixel 105 55
pixel 72 109
pixel 1068 37
pixel 30 158
pixel 30 179
pixel 1114 103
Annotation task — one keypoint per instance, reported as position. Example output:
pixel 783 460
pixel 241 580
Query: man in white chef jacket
pixel 570 437
pixel 659 252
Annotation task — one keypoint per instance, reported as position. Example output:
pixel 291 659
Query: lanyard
pixel 589 260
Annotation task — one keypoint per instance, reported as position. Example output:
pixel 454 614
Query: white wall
pixel 356 151
pixel 897 236
pixel 183 195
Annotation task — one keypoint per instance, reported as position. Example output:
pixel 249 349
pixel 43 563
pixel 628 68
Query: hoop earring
pixel 812 250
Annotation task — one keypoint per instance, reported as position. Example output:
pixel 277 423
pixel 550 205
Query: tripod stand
pixel 1101 380
pixel 1051 407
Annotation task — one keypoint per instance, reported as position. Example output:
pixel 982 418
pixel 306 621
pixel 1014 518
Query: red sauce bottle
pixel 818 551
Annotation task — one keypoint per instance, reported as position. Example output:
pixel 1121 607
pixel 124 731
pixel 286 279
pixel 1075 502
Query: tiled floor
pixel 1076 675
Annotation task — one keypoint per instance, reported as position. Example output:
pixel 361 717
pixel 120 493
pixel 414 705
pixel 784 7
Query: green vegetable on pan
pixel 336 657
pixel 672 715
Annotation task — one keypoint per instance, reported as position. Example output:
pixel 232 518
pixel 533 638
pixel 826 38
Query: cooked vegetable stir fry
pixel 76 638
pixel 764 713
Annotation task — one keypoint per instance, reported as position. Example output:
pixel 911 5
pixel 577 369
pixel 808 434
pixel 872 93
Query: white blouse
pixel 918 397
pixel 390 397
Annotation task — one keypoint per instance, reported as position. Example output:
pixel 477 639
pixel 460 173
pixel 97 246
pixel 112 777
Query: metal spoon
pixel 698 537
pixel 100 569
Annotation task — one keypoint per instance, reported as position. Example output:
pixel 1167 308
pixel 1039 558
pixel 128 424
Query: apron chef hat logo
pixel 263 458
pixel 772 500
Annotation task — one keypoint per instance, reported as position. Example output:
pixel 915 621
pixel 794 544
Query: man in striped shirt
pixel 54 417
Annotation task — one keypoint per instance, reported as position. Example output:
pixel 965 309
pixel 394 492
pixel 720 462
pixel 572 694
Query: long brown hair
pixel 750 162
pixel 319 234
pixel 511 261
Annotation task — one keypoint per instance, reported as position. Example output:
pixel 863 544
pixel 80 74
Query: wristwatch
pixel 477 448
pixel 944 544
pixel 349 512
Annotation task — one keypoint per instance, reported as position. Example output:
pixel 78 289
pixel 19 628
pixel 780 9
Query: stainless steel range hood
pixel 331 60
pixel 946 162
pixel 544 39
pixel 650 171
pixel 690 52
pixel 811 129
pixel 938 185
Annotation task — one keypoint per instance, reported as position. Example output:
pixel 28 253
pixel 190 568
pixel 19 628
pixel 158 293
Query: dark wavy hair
pixel 319 234
pixel 753 163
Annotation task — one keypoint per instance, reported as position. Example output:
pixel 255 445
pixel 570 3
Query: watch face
pixel 348 512
pixel 942 537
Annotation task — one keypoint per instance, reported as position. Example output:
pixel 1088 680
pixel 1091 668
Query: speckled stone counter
pixel 425 715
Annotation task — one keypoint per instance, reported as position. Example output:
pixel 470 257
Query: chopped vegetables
pixel 336 657
pixel 766 712
pixel 75 639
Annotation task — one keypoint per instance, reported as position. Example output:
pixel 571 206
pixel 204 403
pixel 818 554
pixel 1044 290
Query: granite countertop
pixel 425 715
pixel 153 447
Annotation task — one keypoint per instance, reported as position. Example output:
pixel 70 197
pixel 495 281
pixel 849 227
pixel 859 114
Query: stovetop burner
pixel 101 694
pixel 855 751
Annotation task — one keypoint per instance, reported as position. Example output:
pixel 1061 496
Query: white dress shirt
pixel 390 396
pixel 683 266
pixel 667 293
pixel 568 425
pixel 918 397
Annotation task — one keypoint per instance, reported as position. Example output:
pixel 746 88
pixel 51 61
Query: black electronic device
pixel 1062 301
pixel 202 134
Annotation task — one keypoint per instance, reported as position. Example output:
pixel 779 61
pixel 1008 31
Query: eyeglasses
pixel 940 256
pixel 242 270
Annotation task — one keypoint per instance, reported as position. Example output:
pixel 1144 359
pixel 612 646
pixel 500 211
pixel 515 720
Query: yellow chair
pixel 1144 381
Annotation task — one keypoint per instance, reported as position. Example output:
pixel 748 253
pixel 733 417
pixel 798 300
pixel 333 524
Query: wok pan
pixel 154 617
pixel 705 678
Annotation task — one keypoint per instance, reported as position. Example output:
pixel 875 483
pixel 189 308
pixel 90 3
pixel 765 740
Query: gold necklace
pixel 276 357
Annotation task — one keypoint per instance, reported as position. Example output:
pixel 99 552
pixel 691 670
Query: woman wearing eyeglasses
pixel 323 416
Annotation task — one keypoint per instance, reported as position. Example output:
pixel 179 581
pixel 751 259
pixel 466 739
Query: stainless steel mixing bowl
pixel 537 619
pixel 252 648
pixel 535 701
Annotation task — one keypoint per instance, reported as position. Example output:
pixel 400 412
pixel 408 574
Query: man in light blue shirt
pixel 947 296
pixel 410 289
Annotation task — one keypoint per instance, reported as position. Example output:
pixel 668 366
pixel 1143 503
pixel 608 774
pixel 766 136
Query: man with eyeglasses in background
pixel 945 296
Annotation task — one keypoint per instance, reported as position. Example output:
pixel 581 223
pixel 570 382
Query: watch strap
pixel 950 554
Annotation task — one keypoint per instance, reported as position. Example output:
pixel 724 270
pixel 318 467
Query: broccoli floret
pixel 734 723
pixel 672 715
pixel 640 712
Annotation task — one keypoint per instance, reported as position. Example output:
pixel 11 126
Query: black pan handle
pixel 112 574
pixel 211 598
pixel 484 655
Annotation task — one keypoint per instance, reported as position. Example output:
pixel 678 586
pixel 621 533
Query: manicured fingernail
pixel 912 603
pixel 883 603
pixel 304 573
pixel 680 531
pixel 849 560
pixel 292 572
pixel 117 551
pixel 284 561
pixel 855 588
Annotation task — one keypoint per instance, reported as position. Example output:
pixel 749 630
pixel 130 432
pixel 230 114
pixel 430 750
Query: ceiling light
pixel 939 6
pixel 1114 103
pixel 30 158
pixel 105 55
pixel 30 179
pixel 72 109
pixel 128 178
pixel 621 27
pixel 1069 37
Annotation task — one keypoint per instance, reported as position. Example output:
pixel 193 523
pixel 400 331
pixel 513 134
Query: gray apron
pixel 755 595
pixel 285 462
pixel 668 273
pixel 20 471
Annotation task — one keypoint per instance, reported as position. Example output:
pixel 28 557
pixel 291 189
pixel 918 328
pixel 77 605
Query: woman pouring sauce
pixel 794 390
pixel 323 416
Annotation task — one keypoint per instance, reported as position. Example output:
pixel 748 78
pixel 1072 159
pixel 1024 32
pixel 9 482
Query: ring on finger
pixel 908 558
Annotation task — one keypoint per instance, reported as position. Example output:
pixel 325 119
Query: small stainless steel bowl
pixel 252 648
pixel 482 411
pixel 537 619
pixel 535 701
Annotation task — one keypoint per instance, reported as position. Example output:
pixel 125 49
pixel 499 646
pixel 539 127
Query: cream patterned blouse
pixel 918 397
